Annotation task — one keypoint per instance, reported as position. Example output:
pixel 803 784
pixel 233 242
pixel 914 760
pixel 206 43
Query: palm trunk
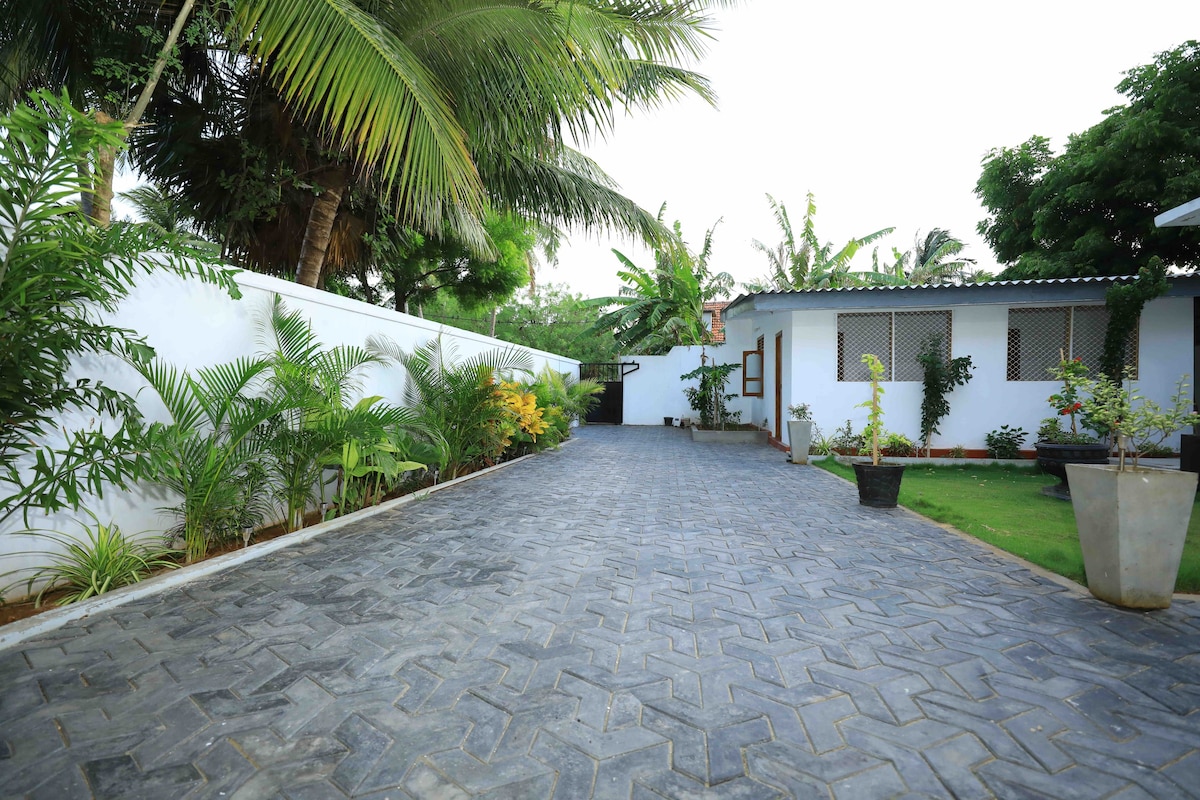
pixel 320 226
pixel 102 179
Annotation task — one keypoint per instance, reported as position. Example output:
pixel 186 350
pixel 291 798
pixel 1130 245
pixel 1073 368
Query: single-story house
pixel 806 346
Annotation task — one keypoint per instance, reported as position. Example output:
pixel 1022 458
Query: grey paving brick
pixel 632 616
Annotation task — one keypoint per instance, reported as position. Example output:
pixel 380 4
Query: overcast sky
pixel 883 110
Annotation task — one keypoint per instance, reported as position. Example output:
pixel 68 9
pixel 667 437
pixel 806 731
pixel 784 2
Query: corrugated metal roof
pixel 875 295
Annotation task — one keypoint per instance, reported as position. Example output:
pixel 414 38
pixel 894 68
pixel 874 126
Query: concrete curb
pixel 16 632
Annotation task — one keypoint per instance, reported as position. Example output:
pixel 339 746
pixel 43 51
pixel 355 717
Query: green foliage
pixel 56 272
pixel 658 310
pixel 939 377
pixel 104 560
pixel 415 267
pixel 456 400
pixel 936 258
pixel 1138 423
pixel 874 427
pixel 800 411
pixel 802 262
pixel 957 451
pixel 205 452
pixel 709 398
pixel 574 396
pixel 845 441
pixel 1125 303
pixel 1051 432
pixel 897 445
pixel 1090 209
pixel 1005 442
pixel 553 320
pixel 313 386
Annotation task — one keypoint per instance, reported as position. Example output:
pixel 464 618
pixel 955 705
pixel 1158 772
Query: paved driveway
pixel 632 616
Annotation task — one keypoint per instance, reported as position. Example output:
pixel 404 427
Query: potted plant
pixel 1133 520
pixel 709 399
pixel 799 432
pixel 1056 447
pixel 878 483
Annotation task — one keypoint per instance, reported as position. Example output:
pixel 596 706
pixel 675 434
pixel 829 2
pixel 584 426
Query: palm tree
pixel 935 258
pixel 802 262
pixel 657 310
pixel 420 99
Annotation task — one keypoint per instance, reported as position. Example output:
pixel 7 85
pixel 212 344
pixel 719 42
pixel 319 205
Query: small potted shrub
pixel 1133 520
pixel 878 483
pixel 799 432
pixel 1058 446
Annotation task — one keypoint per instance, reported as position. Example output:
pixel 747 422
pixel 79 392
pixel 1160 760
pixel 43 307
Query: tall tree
pixel 1090 209
pixel 660 309
pixel 802 261
pixel 935 258
pixel 419 99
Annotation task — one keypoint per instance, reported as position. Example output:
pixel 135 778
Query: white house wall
pixel 988 401
pixel 191 324
pixel 655 391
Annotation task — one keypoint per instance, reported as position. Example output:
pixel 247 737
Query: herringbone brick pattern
pixel 612 621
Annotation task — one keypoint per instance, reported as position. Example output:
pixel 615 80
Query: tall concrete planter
pixel 1132 526
pixel 799 439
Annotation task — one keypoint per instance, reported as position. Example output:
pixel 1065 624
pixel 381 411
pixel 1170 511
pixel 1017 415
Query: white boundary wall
pixel 191 324
pixel 655 391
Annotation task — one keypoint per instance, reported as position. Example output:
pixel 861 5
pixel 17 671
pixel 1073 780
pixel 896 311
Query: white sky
pixel 883 110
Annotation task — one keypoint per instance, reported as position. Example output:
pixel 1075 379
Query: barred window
pixel 913 330
pixel 896 338
pixel 859 334
pixel 1039 337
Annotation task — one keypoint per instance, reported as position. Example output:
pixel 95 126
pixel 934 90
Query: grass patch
pixel 1003 505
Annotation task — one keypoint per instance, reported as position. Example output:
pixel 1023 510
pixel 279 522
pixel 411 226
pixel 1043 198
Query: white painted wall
pixel 654 390
pixel 983 405
pixel 191 324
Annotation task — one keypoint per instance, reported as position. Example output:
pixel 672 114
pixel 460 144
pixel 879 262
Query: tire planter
pixel 1132 526
pixel 878 484
pixel 1054 458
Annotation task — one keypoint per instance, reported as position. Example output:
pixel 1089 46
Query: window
pixel 752 371
pixel 896 338
pixel 1038 338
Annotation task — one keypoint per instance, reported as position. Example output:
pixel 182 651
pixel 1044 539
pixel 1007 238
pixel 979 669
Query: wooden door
pixel 779 386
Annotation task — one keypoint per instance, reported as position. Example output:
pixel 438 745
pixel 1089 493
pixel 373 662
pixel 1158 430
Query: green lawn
pixel 1004 506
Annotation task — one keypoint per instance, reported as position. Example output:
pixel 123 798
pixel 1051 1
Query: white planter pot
pixel 1132 526
pixel 799 438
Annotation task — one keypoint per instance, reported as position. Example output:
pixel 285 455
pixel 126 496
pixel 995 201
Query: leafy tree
pixel 935 258
pixel 56 270
pixel 658 310
pixel 801 261
pixel 553 319
pixel 1090 209
pixel 455 106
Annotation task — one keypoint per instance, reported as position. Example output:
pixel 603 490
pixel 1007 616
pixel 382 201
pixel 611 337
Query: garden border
pixel 17 632
pixel 1061 580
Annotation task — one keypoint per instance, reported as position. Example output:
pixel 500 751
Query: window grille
pixel 895 338
pixel 1039 337
pixel 913 330
pixel 859 334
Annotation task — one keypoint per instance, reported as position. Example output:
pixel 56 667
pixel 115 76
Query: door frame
pixel 779 386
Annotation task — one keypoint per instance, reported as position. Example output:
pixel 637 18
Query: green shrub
pixel 106 560
pixel 1005 442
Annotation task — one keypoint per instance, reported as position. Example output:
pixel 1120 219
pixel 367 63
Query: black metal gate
pixel 611 409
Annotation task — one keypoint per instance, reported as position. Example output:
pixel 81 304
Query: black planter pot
pixel 1053 459
pixel 878 485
